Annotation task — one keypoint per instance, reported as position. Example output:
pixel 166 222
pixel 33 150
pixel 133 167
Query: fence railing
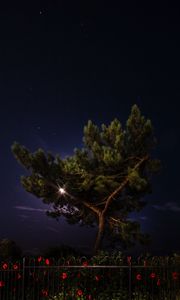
pixel 39 279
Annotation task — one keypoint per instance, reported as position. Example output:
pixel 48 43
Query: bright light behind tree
pixel 62 191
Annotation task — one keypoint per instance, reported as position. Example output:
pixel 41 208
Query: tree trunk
pixel 100 234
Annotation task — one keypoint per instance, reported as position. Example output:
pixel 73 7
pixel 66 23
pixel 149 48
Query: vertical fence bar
pixel 23 277
pixel 130 280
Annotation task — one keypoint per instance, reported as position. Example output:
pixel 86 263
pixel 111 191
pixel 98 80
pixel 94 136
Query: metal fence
pixel 40 279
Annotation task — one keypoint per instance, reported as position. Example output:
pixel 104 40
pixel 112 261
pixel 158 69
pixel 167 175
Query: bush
pixel 9 250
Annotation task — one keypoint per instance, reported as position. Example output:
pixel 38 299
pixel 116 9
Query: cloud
pixel 168 206
pixel 23 216
pixel 33 209
pixel 52 229
pixel 27 208
pixel 144 218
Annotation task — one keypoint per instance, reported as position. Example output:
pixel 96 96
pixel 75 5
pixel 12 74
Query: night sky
pixel 65 62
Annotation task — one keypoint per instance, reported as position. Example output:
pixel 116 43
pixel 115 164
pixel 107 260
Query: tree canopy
pixel 102 182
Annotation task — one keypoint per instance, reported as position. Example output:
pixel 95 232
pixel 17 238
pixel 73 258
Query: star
pixel 43 11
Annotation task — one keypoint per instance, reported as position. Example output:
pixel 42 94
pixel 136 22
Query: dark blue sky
pixel 65 63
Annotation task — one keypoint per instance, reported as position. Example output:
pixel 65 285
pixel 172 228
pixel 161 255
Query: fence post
pixel 130 280
pixel 23 278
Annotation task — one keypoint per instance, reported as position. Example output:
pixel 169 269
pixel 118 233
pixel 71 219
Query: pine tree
pixel 100 184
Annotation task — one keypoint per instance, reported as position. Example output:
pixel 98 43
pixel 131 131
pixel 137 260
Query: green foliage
pixel 135 181
pixel 139 138
pixel 93 173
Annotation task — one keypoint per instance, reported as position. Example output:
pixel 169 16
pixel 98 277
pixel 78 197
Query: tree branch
pixel 122 185
pixel 100 203
pixel 110 198
pixel 94 209
pixel 115 220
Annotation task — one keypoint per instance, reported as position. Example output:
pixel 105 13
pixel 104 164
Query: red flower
pixel 64 275
pixel 139 277
pixel 44 292
pixel 15 266
pixel 5 266
pixel 79 292
pixel 89 297
pixel 129 260
pixel 47 261
pixel 152 275
pixel 39 258
pixel 79 275
pixel 158 282
pixel 18 276
pixel 2 283
pixel 175 275
pixel 85 264
pixel 97 277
